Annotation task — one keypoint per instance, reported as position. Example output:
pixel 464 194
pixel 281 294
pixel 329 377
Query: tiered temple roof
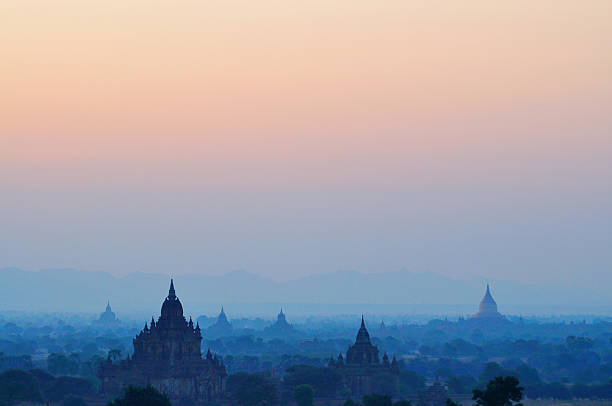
pixel 362 363
pixel 108 317
pixel 168 356
pixel 221 327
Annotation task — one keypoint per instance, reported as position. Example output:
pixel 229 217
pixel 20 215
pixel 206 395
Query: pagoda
pixel 488 308
pixel 167 355
pixel 362 363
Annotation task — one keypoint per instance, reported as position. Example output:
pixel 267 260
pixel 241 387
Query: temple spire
pixel 171 292
pixel 487 295
pixel 362 335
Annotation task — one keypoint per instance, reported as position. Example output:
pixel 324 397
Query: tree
pixel 556 390
pixel 60 364
pixel 137 396
pixel 461 384
pixel 450 402
pixel 402 403
pixel 578 343
pixel 528 375
pixel 68 385
pixel 345 393
pixel 45 379
pixel 19 386
pixel 490 372
pixel 114 354
pixel 303 395
pixel 251 389
pixel 500 392
pixel 580 391
pixel 91 366
pixel 411 382
pixel 324 381
pixel 73 401
pixel 377 400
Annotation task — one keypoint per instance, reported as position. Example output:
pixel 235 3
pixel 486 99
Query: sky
pixel 289 138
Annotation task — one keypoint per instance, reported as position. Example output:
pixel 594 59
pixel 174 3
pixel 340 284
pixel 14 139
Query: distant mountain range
pixel 346 292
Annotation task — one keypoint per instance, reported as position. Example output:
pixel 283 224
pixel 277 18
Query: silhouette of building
pixel 382 330
pixel 167 355
pixel 222 326
pixel 488 308
pixel 281 327
pixel 434 395
pixel 362 366
pixel 107 318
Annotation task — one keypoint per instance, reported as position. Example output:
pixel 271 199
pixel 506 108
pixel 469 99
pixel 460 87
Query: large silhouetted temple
pixel 167 355
pixel 362 365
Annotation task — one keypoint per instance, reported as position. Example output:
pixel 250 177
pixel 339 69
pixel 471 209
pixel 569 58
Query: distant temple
pixel 107 318
pixel 167 355
pixel 222 326
pixel 488 308
pixel 281 327
pixel 362 365
pixel 382 329
pixel 434 395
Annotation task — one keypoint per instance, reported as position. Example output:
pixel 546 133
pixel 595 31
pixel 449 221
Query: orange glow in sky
pixel 139 98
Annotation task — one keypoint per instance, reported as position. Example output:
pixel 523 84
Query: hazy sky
pixel 471 138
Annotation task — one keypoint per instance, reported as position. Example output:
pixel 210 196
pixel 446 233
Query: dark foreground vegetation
pixel 257 390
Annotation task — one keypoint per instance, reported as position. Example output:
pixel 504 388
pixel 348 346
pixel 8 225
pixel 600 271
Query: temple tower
pixel 362 365
pixel 488 307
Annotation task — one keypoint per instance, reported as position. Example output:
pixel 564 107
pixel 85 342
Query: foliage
pixel 44 378
pixel 450 402
pixel 19 386
pixel 324 381
pixel 491 371
pixel 251 389
pixel 68 385
pixel 402 403
pixel 377 400
pixel 345 393
pixel 461 384
pixel 552 358
pixel 578 343
pixel 60 364
pixel 501 391
pixel 527 375
pixel 73 401
pixel 137 396
pixel 350 402
pixel 303 395
pixel 411 382
pixel 91 366
pixel 114 354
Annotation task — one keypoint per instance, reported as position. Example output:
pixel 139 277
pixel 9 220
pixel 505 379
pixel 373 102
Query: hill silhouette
pixel 70 290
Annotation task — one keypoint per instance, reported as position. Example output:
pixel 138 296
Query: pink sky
pixel 275 132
